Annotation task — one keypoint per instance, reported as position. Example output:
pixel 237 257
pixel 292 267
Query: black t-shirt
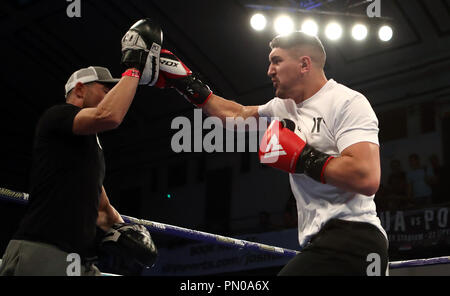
pixel 66 181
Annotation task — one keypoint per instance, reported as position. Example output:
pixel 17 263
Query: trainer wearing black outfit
pixel 67 199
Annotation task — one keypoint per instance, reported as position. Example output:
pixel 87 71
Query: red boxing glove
pixel 173 73
pixel 282 149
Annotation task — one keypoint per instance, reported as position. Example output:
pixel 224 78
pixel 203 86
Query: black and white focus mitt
pixel 127 249
pixel 141 47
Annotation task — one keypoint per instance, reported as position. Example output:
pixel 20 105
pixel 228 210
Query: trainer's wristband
pixel 132 73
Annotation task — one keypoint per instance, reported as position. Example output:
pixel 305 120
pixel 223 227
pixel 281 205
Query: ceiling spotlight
pixel 359 32
pixel 385 33
pixel 258 22
pixel 284 25
pixel 310 27
pixel 333 31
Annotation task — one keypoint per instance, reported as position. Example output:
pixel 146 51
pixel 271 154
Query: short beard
pixel 280 94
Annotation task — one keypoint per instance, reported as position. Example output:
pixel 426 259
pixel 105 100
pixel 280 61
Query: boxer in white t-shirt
pixel 325 136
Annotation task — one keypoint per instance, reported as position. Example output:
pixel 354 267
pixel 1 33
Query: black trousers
pixel 342 248
pixel 29 258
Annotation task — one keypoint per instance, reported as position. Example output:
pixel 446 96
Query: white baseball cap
pixel 90 74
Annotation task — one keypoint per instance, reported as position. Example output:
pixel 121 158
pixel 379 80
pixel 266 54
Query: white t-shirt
pixel 330 121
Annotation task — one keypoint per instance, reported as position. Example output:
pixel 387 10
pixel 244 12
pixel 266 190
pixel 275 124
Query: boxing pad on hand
pixel 126 249
pixel 281 148
pixel 141 48
pixel 175 74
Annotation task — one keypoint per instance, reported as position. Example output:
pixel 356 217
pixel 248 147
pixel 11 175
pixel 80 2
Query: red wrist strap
pixel 132 73
pixel 322 174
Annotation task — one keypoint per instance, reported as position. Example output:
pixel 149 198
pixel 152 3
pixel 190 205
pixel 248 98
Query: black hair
pixel 299 39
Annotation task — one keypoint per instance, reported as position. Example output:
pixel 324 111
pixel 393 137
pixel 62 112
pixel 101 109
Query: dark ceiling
pixel 42 46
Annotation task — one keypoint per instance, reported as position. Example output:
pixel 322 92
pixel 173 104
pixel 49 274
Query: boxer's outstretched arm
pixel 175 74
pixel 223 108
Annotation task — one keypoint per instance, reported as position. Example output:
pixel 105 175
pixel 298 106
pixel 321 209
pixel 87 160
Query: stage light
pixel 385 33
pixel 258 22
pixel 333 31
pixel 310 27
pixel 284 25
pixel 359 32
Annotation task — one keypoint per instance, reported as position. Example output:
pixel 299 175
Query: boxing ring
pixel 249 246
